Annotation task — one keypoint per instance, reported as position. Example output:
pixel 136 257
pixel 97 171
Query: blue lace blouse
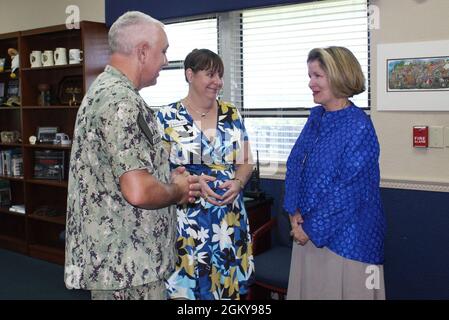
pixel 333 180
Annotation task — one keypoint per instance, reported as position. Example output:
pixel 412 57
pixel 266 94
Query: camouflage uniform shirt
pixel 111 244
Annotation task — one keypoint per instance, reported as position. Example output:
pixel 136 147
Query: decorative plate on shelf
pixel 70 90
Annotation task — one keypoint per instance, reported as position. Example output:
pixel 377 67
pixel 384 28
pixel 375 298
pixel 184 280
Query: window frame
pixel 229 26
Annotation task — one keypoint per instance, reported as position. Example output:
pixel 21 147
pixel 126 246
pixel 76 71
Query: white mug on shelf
pixel 60 56
pixel 62 138
pixel 47 58
pixel 36 59
pixel 75 56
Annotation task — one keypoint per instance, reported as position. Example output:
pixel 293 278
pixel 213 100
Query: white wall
pixel 17 15
pixel 410 21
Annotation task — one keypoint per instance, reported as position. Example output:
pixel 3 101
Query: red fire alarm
pixel 420 136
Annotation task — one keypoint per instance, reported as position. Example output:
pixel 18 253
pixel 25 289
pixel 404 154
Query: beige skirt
pixel 320 274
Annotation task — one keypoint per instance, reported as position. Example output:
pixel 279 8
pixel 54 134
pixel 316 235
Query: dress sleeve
pixel 236 135
pixel 347 194
pixel 241 125
pixel 162 122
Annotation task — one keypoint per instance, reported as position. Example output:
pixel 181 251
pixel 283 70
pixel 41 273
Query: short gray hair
pixel 126 32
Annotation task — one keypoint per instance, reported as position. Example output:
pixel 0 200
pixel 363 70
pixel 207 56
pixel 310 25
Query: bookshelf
pixel 39 235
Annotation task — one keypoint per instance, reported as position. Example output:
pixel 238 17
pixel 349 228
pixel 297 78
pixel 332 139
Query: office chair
pixel 272 249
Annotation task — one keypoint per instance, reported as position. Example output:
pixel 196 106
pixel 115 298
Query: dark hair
pixel 204 59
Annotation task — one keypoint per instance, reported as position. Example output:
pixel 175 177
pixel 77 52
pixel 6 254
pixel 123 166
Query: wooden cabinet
pixel 12 225
pixel 39 231
pixel 259 212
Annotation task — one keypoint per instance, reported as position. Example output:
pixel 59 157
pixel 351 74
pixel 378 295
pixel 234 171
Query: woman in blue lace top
pixel 332 189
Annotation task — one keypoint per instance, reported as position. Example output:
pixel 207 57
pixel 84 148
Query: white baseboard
pixel 435 186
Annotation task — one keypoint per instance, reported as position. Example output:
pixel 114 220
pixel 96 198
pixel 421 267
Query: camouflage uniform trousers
pixel 150 291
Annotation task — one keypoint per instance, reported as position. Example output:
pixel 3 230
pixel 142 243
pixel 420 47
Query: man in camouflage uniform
pixel 120 236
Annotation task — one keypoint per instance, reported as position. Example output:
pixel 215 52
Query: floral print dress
pixel 213 244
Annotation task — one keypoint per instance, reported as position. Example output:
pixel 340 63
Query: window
pixel 275 43
pixel 264 52
pixel 183 37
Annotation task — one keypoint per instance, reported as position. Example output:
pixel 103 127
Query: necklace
pixel 202 114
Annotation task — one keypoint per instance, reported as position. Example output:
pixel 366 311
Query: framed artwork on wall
pixel 413 76
pixel 418 74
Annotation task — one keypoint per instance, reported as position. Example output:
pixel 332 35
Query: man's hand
pixel 187 185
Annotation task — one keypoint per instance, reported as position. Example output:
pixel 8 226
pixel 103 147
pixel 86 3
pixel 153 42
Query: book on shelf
pixel 5 156
pixel 5 193
pixel 17 165
pixel 11 163
pixel 49 164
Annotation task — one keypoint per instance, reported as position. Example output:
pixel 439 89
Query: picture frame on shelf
pixel 12 88
pixel 46 134
pixel 9 136
pixel 70 91
pixel 9 93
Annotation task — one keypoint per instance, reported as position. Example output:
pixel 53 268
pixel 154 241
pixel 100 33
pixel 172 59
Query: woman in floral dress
pixel 208 137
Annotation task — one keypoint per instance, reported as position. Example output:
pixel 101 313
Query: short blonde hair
pixel 343 70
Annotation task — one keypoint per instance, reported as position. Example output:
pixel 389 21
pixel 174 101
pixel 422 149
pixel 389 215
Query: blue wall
pixel 417 241
pixel 180 8
pixel 417 244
